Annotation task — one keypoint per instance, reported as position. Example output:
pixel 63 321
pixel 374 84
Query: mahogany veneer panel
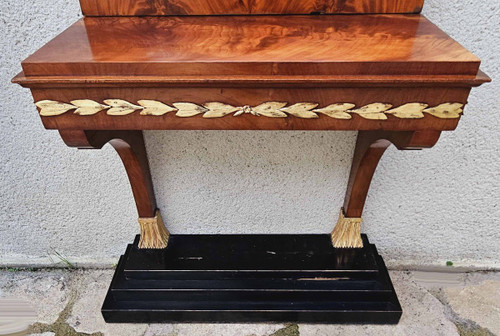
pixel 252 45
pixel 217 7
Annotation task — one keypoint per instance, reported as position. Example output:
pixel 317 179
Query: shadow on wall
pixel 250 181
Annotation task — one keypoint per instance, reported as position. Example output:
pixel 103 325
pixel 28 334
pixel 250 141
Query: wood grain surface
pixel 257 45
pixel 370 146
pixel 222 7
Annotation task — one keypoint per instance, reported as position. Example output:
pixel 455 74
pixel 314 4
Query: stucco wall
pixel 424 207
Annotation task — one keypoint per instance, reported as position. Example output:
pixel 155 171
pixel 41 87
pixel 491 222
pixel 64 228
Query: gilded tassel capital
pixel 347 232
pixel 154 234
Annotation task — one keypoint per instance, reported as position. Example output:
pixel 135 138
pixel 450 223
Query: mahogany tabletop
pixel 252 45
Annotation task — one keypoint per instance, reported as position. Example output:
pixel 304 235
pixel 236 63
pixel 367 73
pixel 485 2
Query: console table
pixel 381 68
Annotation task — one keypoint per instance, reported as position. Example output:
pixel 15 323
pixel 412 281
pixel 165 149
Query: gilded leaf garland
pixel 301 110
pixel 88 107
pixel 217 110
pixel 153 107
pixel 337 111
pixel 409 111
pixel 270 109
pixel 52 108
pixel 121 107
pixel 445 111
pixel 188 109
pixel 374 111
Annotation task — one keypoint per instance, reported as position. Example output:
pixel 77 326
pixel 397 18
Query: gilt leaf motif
pixel 270 109
pixel 121 107
pixel 188 109
pixel 337 111
pixel 301 110
pixel 50 108
pixel 373 111
pixel 446 110
pixel 155 108
pixel 217 110
pixel 408 111
pixel 88 107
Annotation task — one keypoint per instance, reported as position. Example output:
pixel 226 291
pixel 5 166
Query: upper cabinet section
pixel 245 7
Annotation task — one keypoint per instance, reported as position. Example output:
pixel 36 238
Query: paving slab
pixel 69 303
pixel 85 316
pixel 472 300
pixel 209 329
pixel 479 303
pixel 46 291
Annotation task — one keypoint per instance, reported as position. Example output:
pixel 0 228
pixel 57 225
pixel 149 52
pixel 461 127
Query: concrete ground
pixel 67 303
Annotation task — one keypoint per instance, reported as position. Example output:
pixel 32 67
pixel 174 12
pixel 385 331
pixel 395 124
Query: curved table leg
pixel 370 146
pixel 132 151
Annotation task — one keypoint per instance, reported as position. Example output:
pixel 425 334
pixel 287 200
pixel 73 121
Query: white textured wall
pixel 424 207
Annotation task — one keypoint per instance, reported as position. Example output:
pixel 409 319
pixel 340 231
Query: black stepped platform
pixel 251 278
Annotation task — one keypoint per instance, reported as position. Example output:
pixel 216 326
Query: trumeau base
pixel 251 278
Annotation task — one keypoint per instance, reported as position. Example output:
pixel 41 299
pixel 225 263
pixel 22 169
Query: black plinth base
pixel 251 278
